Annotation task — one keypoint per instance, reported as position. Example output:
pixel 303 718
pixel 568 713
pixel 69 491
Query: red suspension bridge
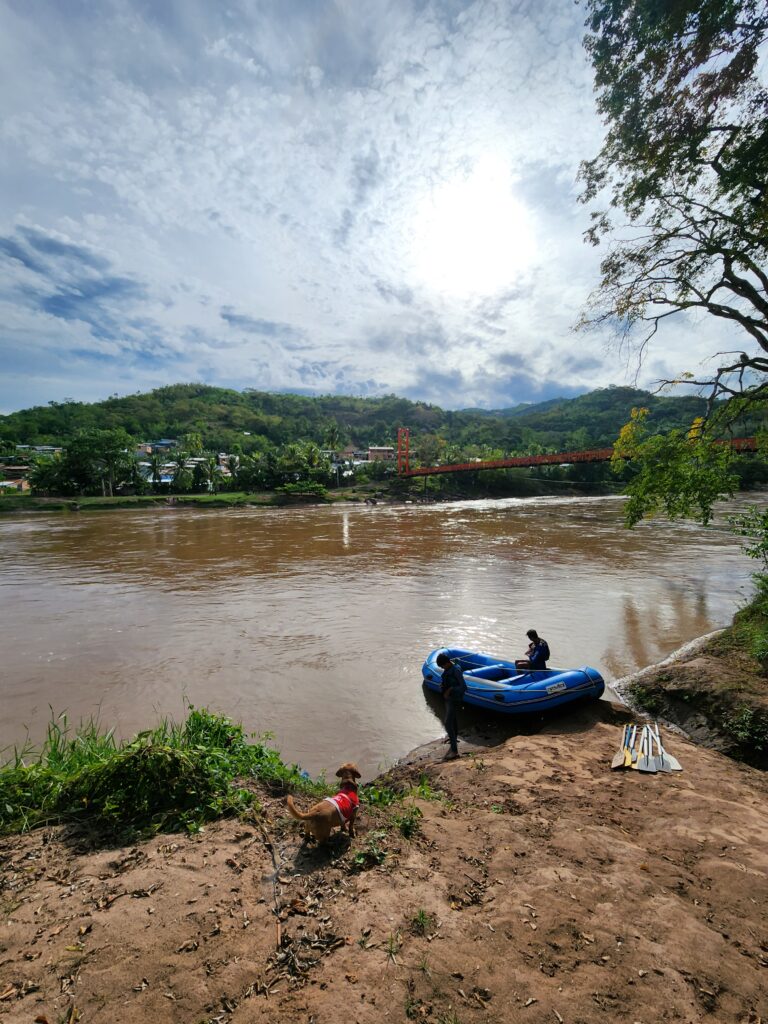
pixel 739 444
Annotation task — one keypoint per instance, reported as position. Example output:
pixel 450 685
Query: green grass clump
pixel 373 851
pixel 646 699
pixel 408 822
pixel 379 795
pixel 422 922
pixel 176 776
pixel 748 727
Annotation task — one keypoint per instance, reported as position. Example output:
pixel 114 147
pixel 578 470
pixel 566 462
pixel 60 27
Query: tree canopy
pixel 684 165
pixel 254 422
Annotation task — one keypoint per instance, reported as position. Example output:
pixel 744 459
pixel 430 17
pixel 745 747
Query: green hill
pixel 254 419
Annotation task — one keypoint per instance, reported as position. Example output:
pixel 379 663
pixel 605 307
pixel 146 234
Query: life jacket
pixel 540 654
pixel 346 801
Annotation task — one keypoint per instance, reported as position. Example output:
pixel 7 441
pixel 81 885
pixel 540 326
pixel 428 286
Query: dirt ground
pixel 542 887
pixel 713 690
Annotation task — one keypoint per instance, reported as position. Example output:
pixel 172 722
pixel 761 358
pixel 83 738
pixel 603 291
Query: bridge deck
pixel 741 444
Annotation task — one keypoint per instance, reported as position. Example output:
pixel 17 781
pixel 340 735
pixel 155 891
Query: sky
pixel 317 196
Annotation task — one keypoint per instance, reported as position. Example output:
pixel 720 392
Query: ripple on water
pixel 313 623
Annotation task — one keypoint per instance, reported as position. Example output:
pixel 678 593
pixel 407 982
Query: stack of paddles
pixel 640 755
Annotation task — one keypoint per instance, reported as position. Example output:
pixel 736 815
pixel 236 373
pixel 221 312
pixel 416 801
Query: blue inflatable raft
pixel 496 685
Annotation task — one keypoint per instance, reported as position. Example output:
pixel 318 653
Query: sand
pixel 541 887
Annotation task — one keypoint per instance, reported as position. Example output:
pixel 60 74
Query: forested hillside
pixel 253 420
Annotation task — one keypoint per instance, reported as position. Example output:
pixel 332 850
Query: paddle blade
pixel 645 761
pixel 673 765
pixel 618 757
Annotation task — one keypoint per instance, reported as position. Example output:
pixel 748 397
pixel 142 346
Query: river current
pixel 312 623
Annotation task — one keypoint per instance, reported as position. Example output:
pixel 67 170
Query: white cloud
pixel 304 165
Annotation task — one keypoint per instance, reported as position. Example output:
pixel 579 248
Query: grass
pixel 748 726
pixel 646 699
pixel 750 625
pixel 423 789
pixel 408 822
pixel 392 946
pixel 223 499
pixel 176 776
pixel 372 853
pixel 422 922
pixel 378 795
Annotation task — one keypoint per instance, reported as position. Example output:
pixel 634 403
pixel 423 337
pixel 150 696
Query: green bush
pixel 173 777
pixel 748 726
pixel 378 796
pixel 646 699
pixel 408 823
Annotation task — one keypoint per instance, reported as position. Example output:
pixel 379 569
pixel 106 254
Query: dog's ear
pixel 348 768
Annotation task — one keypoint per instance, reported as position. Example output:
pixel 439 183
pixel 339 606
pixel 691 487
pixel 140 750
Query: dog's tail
pixel 294 809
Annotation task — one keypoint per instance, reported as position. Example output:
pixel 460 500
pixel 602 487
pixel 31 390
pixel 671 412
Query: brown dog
pixel 340 810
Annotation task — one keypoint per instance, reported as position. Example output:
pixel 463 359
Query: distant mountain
pixel 529 407
pixel 255 419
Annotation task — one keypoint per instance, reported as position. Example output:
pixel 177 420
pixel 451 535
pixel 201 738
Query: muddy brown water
pixel 312 623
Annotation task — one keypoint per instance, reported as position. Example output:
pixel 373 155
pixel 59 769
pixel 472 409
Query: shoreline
pixel 687 650
pixel 373 494
pixel 525 883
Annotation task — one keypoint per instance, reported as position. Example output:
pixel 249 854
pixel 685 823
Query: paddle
pixel 620 755
pixel 660 760
pixel 644 762
pixel 674 764
pixel 628 746
pixel 633 748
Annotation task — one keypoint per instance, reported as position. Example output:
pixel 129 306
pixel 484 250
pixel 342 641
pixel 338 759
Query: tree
pixel 181 479
pixel 430 449
pixel 156 462
pixel 685 160
pixel 193 444
pixel 681 473
pixel 97 459
pixel 332 436
pixel 46 476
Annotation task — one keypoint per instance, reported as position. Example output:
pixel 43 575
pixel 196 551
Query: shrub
pixel 174 776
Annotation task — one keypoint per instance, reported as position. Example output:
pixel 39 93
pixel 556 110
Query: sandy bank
pixel 541 888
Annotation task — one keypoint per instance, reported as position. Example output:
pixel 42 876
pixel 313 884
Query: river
pixel 312 623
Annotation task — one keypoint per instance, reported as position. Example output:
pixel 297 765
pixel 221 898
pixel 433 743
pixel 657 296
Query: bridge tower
pixel 403 448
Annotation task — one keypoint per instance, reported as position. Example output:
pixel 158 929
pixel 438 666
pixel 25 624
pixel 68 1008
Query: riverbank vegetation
pixel 174 777
pixel 251 421
pixel 64 454
pixel 718 694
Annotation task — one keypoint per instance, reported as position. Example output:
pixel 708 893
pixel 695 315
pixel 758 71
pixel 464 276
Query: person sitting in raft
pixel 538 652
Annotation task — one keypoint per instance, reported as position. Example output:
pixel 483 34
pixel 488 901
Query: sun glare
pixel 471 235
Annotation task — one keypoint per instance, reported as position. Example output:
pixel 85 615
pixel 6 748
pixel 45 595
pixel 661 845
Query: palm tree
pixel 332 436
pixel 180 480
pixel 211 473
pixel 156 463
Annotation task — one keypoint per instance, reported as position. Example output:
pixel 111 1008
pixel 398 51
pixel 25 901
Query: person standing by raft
pixel 453 689
pixel 538 652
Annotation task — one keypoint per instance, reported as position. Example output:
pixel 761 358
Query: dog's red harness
pixel 346 801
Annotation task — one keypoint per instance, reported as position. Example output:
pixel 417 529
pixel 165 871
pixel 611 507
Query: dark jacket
pixel 539 654
pixel 453 686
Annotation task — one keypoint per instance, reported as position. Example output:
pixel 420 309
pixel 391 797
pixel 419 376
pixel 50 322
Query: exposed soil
pixel 713 690
pixel 542 887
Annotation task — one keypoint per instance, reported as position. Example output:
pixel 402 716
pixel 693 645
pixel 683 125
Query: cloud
pixel 68 281
pixel 288 336
pixel 298 196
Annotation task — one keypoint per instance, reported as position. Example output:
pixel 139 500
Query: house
pixel 13 483
pixel 163 445
pixel 381 454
